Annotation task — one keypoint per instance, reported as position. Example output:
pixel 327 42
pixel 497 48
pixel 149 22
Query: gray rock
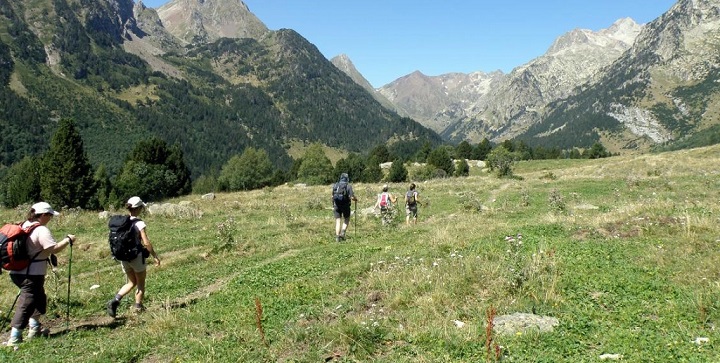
pixel 522 322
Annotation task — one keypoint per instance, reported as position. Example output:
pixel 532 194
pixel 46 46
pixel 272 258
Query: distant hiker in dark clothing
pixel 411 203
pixel 385 202
pixel 342 195
pixel 135 270
pixel 32 301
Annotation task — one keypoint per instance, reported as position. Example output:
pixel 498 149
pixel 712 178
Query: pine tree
pixel 398 172
pixel 66 176
pixel 462 168
pixel 380 153
pixel 22 182
pixel 440 159
pixel 464 150
pixel 481 151
pixel 423 153
pixel 353 165
pixel 104 187
pixel 372 173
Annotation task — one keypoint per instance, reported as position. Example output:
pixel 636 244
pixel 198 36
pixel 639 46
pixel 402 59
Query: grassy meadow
pixel 622 251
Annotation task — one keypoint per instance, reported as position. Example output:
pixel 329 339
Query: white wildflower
pixel 701 340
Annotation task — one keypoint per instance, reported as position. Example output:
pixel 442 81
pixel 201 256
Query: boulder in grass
pixel 524 323
pixel 174 210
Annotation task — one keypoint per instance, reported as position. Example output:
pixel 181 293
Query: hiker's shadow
pixel 90 326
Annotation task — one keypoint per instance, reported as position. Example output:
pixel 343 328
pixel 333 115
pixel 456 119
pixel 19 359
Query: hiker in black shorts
pixel 342 195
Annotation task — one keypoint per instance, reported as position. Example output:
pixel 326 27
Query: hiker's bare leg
pixel 344 226
pixel 130 284
pixel 140 292
pixel 338 225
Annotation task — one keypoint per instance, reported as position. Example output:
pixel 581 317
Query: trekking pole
pixel 67 315
pixel 355 218
pixel 7 317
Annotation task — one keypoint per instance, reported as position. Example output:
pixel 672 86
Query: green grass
pixel 623 251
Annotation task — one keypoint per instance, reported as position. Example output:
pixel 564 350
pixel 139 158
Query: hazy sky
pixel 392 38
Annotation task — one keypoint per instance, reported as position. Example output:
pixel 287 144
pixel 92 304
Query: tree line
pixel 156 170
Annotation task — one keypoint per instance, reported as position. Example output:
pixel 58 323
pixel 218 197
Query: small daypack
pixel 124 240
pixel 410 197
pixel 14 248
pixel 340 193
pixel 383 200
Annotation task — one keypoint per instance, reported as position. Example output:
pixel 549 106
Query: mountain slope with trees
pixel 70 59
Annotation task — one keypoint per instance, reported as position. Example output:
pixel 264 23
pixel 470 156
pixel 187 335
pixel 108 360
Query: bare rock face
pixel 437 102
pixel 201 21
pixel 477 105
pixel 634 85
pixel 519 100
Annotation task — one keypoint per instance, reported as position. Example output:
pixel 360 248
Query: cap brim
pixel 55 213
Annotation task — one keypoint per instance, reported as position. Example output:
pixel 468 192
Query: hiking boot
pixel 38 331
pixel 138 308
pixel 112 306
pixel 338 238
pixel 13 342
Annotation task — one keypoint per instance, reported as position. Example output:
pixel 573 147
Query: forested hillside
pixel 66 59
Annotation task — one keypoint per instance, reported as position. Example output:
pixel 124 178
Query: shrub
pixel 501 160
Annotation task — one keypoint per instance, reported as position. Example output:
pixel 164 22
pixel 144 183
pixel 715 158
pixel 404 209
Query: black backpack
pixel 340 193
pixel 123 238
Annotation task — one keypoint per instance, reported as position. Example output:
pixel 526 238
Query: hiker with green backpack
pixel 32 300
pixel 342 196
pixel 411 203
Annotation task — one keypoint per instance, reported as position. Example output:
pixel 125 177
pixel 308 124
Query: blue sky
pixel 392 38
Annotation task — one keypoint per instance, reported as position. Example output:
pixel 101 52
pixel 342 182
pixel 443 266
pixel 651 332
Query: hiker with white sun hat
pixel 134 267
pixel 32 300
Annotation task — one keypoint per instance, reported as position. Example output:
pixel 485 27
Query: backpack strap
pixel 29 229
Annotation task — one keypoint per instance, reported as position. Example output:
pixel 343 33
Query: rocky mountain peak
pixel 625 30
pixel 208 20
pixel 343 63
pixel 621 34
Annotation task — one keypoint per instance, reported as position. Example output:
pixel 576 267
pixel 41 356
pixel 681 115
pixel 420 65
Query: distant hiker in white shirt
pixel 385 201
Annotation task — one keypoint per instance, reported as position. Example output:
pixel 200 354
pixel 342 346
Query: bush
pixel 398 172
pixel 462 168
pixel 425 172
pixel 501 161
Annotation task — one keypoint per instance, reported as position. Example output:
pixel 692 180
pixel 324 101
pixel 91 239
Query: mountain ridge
pixel 651 64
pixel 114 68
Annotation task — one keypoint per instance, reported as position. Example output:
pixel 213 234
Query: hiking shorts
pixel 411 210
pixel 137 264
pixel 342 211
